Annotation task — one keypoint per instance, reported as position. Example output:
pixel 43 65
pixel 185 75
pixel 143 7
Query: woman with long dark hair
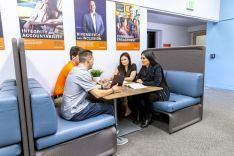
pixel 151 74
pixel 129 70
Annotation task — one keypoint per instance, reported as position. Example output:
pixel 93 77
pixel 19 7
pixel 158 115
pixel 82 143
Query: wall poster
pixel 1 34
pixel 127 26
pixel 90 23
pixel 41 24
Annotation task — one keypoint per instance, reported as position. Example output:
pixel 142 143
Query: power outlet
pixel 212 56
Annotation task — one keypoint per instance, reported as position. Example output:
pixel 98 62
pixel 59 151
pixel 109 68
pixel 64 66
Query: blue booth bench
pixel 54 135
pixel 186 99
pixel 10 133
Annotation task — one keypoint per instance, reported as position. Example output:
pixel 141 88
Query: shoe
pixel 136 121
pixel 128 112
pixel 121 141
pixel 146 123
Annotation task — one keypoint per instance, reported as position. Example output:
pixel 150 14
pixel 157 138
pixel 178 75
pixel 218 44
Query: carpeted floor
pixel 213 136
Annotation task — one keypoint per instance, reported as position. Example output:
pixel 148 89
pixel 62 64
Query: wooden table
pixel 128 92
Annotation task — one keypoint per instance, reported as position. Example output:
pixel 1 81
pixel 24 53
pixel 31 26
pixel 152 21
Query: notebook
pixel 134 85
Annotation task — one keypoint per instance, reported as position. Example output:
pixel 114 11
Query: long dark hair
pixel 129 60
pixel 149 54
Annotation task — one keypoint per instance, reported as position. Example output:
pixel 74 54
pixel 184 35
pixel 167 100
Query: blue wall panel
pixel 226 9
pixel 220 40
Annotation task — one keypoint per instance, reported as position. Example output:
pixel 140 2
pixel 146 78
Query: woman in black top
pixel 128 70
pixel 151 74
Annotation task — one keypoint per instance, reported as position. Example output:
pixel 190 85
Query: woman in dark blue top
pixel 151 74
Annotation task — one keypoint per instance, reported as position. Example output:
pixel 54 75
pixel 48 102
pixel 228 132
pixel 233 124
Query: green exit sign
pixel 190 4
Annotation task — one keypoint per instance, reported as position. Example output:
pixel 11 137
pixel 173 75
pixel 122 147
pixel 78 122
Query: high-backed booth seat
pixel 184 106
pixel 10 134
pixel 57 136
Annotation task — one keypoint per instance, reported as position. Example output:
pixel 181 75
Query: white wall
pixel 45 65
pixel 204 9
pixel 197 28
pixel 172 34
pixel 9 30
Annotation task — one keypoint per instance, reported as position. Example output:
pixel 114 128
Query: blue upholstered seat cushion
pixel 186 83
pixel 68 130
pixel 175 103
pixel 9 118
pixel 11 150
pixel 44 115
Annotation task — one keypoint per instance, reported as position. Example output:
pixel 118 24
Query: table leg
pixel 120 140
pixel 116 116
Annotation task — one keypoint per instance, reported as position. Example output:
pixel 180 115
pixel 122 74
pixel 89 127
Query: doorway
pixel 154 39
pixel 151 39
pixel 199 38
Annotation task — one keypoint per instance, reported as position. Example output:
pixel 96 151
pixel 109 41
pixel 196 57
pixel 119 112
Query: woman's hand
pixel 139 81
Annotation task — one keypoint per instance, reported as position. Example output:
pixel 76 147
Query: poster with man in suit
pixel 90 18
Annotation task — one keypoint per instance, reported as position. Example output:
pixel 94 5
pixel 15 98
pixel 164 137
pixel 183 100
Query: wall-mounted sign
pixel 190 4
pixel 127 26
pixel 1 34
pixel 165 45
pixel 90 23
pixel 41 24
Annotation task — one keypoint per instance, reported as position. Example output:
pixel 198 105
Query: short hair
pixel 74 51
pixel 84 55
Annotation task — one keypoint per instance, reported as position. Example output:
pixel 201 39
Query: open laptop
pixel 118 79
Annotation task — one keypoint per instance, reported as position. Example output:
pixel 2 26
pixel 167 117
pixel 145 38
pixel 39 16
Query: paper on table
pixel 135 85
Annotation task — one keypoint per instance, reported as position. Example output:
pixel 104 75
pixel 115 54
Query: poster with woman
pixel 90 23
pixel 127 26
pixel 1 34
pixel 41 24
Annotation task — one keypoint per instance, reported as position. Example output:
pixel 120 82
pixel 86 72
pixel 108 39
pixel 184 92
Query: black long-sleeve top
pixel 154 76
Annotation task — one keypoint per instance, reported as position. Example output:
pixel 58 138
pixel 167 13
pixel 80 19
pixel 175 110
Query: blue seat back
pixel 9 117
pixel 185 83
pixel 44 115
pixel 10 82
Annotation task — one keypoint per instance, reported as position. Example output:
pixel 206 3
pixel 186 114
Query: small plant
pixel 96 72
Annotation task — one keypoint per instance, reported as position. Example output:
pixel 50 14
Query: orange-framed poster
pixel 127 26
pixel 41 24
pixel 1 34
pixel 90 23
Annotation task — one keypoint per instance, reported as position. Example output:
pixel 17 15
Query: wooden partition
pixel 20 95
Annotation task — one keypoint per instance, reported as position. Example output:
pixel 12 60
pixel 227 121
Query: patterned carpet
pixel 213 136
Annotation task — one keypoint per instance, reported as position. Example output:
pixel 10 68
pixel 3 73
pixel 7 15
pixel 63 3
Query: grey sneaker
pixel 121 141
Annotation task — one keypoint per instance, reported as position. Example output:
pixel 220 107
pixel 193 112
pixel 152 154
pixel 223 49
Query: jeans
pixel 92 110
